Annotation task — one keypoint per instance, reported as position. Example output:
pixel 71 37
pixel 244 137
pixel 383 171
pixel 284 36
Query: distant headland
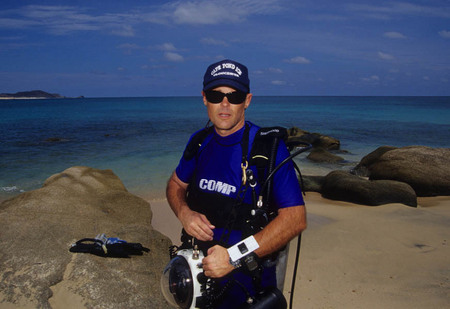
pixel 34 94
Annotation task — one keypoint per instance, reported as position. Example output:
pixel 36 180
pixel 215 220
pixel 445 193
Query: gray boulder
pixel 38 227
pixel 362 169
pixel 317 140
pixel 343 186
pixel 320 155
pixel 312 183
pixel 425 169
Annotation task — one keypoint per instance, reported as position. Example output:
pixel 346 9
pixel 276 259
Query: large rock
pixel 38 227
pixel 312 183
pixel 315 139
pixel 425 169
pixel 321 155
pixel 362 169
pixel 343 186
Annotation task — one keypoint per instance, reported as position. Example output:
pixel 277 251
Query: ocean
pixel 142 139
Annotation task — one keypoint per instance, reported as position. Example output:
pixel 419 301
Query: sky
pixel 118 48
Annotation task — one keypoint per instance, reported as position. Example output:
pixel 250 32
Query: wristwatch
pixel 251 261
pixel 236 264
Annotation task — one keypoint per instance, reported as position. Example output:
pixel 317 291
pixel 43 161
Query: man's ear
pixel 204 98
pixel 248 100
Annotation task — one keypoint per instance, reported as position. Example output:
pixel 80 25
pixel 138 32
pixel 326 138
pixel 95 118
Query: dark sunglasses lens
pixel 214 96
pixel 236 97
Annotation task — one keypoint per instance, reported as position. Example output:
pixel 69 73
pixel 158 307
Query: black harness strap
pixel 197 140
pixel 263 156
pixel 243 187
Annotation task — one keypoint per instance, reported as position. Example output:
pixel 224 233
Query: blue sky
pixel 162 48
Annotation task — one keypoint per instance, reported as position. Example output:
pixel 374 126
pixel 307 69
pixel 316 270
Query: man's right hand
pixel 196 224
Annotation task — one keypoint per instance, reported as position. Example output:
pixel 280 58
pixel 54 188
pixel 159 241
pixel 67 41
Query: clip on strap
pixel 244 172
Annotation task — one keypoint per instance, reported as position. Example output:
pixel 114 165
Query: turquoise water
pixel 141 139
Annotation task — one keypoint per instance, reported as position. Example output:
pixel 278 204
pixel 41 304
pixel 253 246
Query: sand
pixel 354 256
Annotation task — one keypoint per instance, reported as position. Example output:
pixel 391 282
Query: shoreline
pixel 357 256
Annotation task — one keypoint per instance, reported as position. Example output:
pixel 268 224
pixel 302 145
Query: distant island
pixel 34 94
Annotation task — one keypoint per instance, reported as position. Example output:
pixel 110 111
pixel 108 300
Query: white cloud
pixel 173 57
pixel 372 78
pixel 298 60
pixel 275 70
pixel 124 30
pixel 128 48
pixel 385 56
pixel 445 34
pixel 211 41
pixel 167 47
pixel 62 20
pixel 391 9
pixel 208 12
pixel 278 82
pixel 394 35
pixel 16 23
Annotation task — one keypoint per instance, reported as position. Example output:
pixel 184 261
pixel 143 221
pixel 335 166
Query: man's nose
pixel 225 101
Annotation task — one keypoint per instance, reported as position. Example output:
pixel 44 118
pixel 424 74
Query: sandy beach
pixel 354 256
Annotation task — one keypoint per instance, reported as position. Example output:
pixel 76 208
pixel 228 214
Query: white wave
pixel 11 189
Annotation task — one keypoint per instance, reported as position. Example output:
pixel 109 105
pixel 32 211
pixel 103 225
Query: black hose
pixel 294 273
pixel 297 257
pixel 308 146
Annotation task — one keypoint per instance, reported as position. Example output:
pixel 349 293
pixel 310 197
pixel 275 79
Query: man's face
pixel 226 117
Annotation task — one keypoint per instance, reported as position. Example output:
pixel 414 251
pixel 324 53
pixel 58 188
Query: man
pixel 208 189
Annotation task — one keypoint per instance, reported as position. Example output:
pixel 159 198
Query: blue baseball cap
pixel 227 73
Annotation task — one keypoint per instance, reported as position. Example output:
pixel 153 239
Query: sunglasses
pixel 236 97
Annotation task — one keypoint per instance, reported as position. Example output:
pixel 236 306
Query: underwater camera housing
pixel 180 280
pixel 184 285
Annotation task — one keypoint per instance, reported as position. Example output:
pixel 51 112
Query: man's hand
pixel 217 263
pixel 196 224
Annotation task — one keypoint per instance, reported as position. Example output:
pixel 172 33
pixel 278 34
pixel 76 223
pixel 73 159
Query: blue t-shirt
pixel 217 167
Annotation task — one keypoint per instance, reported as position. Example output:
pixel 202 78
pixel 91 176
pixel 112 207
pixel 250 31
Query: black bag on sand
pixel 108 247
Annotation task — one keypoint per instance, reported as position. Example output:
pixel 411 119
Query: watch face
pixel 251 262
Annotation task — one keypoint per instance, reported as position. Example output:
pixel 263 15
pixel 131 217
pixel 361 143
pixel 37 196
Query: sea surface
pixel 142 139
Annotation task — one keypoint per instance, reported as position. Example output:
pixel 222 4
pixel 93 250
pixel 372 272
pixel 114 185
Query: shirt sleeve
pixel 286 187
pixel 186 168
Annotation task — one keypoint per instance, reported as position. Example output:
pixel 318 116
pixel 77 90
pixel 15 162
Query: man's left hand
pixel 217 263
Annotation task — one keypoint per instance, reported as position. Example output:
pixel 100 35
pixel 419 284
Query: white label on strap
pixel 243 248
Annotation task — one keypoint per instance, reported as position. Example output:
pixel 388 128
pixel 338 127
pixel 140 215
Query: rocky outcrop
pixel 31 94
pixel 315 139
pixel 362 169
pixel 425 169
pixel 343 186
pixel 311 183
pixel 321 155
pixel 38 227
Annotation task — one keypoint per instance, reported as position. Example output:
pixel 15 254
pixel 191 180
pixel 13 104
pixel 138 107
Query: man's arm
pixel 290 222
pixel 194 223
